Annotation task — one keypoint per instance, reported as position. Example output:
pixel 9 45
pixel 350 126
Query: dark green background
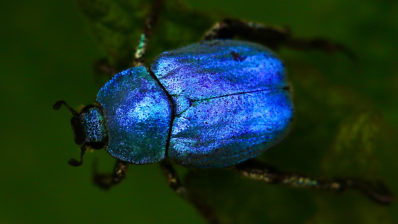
pixel 346 119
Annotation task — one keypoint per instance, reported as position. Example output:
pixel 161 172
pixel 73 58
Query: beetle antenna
pixel 74 162
pixel 59 103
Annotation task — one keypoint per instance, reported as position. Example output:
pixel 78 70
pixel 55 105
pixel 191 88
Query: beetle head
pixel 88 128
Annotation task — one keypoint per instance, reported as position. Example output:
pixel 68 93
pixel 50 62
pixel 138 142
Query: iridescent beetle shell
pixel 210 104
pixel 137 114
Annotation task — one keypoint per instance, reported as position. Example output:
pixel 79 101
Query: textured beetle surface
pixel 229 102
pixel 137 115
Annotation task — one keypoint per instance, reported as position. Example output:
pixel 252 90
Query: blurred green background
pixel 346 122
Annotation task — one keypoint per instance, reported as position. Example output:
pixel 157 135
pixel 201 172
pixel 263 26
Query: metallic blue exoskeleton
pixel 210 104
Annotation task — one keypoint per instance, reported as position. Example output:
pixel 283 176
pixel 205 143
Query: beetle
pixel 212 104
pixel 190 106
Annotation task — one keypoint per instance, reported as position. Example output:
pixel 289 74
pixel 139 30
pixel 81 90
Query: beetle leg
pixel 102 67
pixel 377 192
pixel 150 23
pixel 172 178
pixel 107 180
pixel 175 183
pixel 271 36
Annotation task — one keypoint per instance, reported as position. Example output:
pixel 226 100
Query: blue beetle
pixel 211 104
pixel 198 105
